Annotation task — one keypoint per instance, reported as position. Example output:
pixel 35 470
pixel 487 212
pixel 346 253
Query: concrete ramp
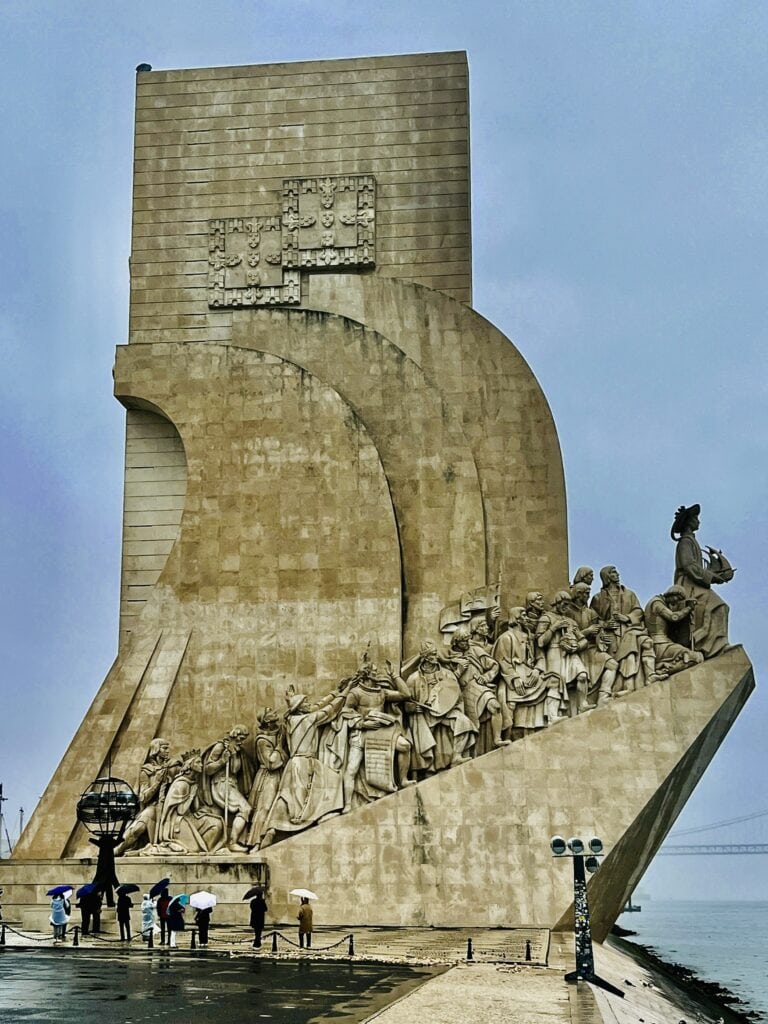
pixel 124 712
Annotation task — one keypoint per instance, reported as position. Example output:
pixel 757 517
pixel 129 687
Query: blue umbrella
pixel 182 898
pixel 158 887
pixel 85 890
pixel 57 890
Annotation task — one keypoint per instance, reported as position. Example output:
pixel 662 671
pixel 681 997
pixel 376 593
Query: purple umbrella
pixel 57 890
pixel 85 890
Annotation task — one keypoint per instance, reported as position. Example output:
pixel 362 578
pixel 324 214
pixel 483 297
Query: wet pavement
pixel 68 985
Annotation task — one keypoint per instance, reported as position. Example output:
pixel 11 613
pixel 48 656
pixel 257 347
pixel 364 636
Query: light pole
pixel 585 961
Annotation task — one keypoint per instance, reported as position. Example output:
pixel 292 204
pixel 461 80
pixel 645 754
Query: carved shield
pixel 445 694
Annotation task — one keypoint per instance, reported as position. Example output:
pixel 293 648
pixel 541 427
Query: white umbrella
pixel 202 900
pixel 307 893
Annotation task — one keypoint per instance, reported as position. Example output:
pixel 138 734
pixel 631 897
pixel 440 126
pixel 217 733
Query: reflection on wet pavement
pixel 64 986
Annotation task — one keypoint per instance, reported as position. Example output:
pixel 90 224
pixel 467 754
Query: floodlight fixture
pixel 576 846
pixel 596 845
pixel 558 846
pixel 592 864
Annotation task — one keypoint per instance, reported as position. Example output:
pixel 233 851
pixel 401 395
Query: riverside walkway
pixel 395 976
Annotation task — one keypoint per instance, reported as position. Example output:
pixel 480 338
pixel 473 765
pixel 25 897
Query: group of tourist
pixel 381 730
pixel 159 913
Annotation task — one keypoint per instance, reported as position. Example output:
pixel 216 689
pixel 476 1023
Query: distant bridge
pixel 702 849
pixel 705 848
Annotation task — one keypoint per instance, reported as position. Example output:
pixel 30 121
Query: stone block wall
pixel 218 142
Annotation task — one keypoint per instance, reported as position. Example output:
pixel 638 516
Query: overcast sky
pixel 620 214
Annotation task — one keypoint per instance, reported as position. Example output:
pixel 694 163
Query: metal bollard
pixel 2 935
pixel 469 950
pixel 151 938
pixel 351 944
pixel 76 936
pixel 528 949
pixel 274 942
pixel 193 943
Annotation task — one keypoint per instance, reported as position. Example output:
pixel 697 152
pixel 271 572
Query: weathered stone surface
pixel 308 488
pixel 471 845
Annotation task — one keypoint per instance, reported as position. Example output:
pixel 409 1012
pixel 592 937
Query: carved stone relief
pixel 495 680
pixel 325 223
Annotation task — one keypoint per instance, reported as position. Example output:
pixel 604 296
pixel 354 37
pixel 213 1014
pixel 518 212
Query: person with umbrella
pixel 258 911
pixel 160 890
pixel 147 917
pixel 89 903
pixel 124 904
pixel 305 922
pixel 175 918
pixel 203 904
pixel 60 914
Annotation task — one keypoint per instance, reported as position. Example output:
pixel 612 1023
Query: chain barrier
pixel 32 938
pixel 317 949
pixel 77 935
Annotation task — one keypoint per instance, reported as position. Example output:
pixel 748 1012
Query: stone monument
pixel 349 654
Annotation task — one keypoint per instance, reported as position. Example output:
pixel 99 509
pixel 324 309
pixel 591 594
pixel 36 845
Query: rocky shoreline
pixel 711 997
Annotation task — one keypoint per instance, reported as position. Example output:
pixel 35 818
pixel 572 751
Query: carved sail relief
pixel 326 223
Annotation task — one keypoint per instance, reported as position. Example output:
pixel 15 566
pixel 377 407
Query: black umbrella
pixel 256 890
pixel 127 887
pixel 158 887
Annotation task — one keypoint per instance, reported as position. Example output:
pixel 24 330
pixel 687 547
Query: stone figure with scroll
pixel 709 633
pixel 477 672
pixel 226 778
pixel 626 636
pixel 602 668
pixel 154 778
pixel 522 685
pixel 663 614
pixel 562 644
pixel 310 789
pixel 379 754
pixel 271 757
pixel 441 735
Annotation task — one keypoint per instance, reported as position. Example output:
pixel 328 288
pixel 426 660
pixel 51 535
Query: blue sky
pixel 620 214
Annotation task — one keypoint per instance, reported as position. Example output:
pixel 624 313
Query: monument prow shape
pixel 326 446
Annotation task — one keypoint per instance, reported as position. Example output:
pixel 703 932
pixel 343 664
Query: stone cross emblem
pixel 326 223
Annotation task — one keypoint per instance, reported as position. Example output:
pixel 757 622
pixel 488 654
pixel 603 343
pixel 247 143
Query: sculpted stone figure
pixel 602 668
pixel 697 577
pixel 310 789
pixel 477 671
pixel 271 757
pixel 625 633
pixel 440 733
pixel 154 777
pixel 186 823
pixel 225 780
pixel 379 752
pixel 662 614
pixel 523 686
pixel 583 575
pixel 562 644
pixel 534 608
pixel 480 634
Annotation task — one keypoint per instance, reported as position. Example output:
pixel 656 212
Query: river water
pixel 724 942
